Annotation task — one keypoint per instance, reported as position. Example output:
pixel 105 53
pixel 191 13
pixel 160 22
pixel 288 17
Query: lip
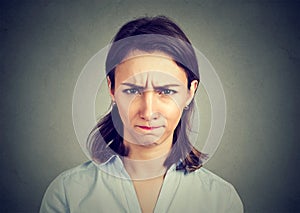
pixel 148 127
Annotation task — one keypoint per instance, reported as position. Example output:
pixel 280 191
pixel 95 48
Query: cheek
pixel 132 112
pixel 173 116
pixel 123 108
pixel 174 107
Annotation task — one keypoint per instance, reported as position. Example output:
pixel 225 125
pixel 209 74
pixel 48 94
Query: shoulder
pixel 215 190
pixel 67 183
pixel 79 174
pixel 206 178
pixel 85 169
pixel 210 179
pixel 79 177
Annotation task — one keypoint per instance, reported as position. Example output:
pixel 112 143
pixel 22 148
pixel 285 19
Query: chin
pixel 152 143
pixel 147 143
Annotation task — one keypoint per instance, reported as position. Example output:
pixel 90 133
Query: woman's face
pixel 150 93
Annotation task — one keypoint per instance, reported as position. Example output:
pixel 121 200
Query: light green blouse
pixel 107 187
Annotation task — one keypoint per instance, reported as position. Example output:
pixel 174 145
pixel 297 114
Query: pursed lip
pixel 148 127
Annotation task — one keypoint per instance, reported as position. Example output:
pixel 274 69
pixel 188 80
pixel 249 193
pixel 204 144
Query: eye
pixel 132 91
pixel 166 92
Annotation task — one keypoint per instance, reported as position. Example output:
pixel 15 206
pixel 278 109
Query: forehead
pixel 141 66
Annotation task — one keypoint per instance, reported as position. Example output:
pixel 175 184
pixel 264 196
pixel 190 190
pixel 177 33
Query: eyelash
pixel 135 91
pixel 132 91
pixel 166 92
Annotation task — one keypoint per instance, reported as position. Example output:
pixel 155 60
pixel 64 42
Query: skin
pixel 150 112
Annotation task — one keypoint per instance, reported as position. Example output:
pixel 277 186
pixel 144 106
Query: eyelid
pixel 160 90
pixel 132 88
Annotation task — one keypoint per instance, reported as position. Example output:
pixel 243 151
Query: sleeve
pixel 235 203
pixel 54 199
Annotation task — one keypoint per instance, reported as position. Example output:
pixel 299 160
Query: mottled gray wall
pixel 253 45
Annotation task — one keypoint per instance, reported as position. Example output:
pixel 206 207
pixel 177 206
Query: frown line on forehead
pixel 152 78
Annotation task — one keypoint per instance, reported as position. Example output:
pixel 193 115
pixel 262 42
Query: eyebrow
pixel 141 87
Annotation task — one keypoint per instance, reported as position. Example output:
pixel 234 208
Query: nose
pixel 148 106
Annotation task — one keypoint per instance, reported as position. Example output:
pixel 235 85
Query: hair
pixel 149 34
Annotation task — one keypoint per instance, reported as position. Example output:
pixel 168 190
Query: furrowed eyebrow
pixel 168 85
pixel 132 85
pixel 158 87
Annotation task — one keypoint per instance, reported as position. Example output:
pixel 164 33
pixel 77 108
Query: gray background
pixel 253 45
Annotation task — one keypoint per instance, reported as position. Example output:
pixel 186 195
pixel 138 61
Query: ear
pixel 191 91
pixel 111 91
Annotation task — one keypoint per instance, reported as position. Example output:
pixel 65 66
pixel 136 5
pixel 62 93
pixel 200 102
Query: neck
pixel 146 162
pixel 145 169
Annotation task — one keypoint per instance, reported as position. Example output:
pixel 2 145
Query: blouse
pixel 107 187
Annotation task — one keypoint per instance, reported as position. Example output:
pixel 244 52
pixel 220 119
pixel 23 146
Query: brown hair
pixel 154 34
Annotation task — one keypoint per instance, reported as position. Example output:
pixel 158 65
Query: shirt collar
pixel 114 166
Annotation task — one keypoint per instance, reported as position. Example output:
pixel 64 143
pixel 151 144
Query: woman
pixel 143 160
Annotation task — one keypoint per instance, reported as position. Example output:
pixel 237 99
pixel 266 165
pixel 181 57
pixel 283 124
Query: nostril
pixel 155 116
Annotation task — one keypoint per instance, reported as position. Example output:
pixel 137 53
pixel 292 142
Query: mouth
pixel 148 127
